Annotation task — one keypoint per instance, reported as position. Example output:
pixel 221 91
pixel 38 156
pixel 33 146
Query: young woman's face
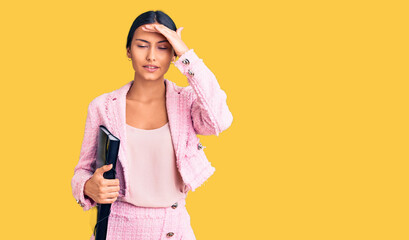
pixel 150 48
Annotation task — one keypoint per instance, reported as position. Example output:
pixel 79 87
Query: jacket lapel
pixel 118 106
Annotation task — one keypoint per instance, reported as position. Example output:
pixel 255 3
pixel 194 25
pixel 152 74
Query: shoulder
pixel 183 91
pixel 187 95
pixel 99 101
pixel 187 91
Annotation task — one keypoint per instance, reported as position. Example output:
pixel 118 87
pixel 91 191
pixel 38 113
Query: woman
pixel 160 157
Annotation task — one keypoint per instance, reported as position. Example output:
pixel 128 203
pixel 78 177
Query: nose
pixel 151 54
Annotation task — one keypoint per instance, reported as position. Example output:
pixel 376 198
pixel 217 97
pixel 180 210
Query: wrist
pixel 183 52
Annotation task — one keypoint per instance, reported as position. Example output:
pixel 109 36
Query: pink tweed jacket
pixel 199 108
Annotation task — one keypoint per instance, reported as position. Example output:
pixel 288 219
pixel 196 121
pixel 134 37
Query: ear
pixel 173 58
pixel 128 52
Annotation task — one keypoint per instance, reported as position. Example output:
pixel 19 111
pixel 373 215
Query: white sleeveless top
pixel 154 178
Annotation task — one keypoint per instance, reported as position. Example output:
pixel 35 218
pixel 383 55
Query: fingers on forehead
pixel 162 26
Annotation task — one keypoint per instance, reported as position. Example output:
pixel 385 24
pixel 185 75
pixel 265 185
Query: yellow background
pixel 318 148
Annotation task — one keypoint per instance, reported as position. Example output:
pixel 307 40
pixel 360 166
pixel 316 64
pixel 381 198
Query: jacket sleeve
pixel 209 110
pixel 87 161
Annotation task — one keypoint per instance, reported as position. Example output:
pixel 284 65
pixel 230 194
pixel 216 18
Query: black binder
pixel 107 153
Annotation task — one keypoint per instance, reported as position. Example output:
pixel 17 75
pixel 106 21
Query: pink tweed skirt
pixel 127 222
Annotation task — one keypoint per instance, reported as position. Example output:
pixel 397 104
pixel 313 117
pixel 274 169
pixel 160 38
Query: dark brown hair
pixel 147 18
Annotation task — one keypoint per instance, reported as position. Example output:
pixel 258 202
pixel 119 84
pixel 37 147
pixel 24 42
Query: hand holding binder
pixel 94 187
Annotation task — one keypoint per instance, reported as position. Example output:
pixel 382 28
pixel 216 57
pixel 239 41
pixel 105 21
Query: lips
pixel 150 68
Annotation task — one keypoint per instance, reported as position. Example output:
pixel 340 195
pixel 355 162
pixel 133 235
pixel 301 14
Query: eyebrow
pixel 149 42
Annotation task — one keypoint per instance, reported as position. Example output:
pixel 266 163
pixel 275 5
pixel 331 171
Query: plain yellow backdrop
pixel 318 148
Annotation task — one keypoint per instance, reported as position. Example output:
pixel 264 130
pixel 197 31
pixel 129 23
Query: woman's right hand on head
pixel 102 190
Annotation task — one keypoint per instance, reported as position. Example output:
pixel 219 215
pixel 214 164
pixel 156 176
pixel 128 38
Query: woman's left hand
pixel 174 37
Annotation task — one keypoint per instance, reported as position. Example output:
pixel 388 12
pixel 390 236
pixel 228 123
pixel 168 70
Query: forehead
pixel 152 37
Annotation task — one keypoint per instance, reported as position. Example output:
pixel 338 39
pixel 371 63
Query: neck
pixel 147 91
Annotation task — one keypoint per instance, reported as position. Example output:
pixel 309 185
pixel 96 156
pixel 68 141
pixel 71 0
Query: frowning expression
pixel 151 54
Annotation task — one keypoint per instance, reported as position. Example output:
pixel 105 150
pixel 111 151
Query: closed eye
pixel 147 46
